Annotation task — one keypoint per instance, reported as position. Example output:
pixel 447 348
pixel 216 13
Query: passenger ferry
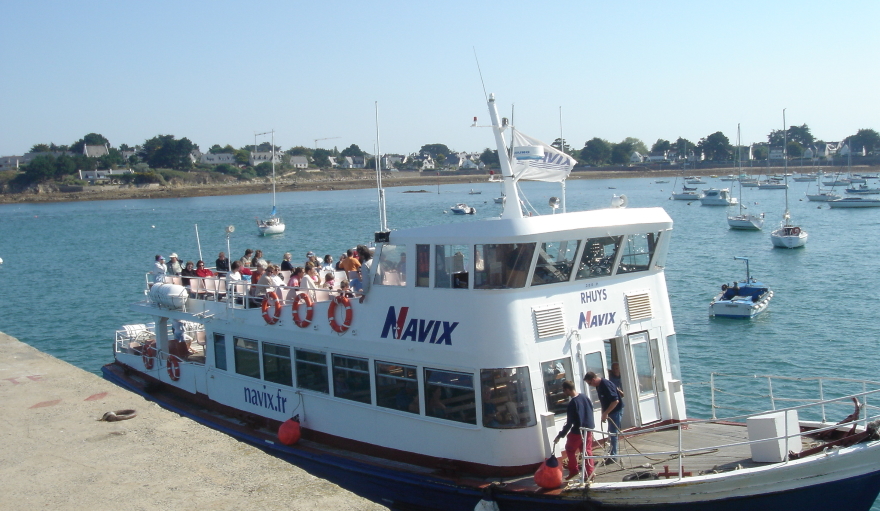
pixel 440 385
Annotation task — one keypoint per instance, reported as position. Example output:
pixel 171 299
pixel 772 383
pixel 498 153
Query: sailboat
pixel 274 224
pixel 743 221
pixel 787 235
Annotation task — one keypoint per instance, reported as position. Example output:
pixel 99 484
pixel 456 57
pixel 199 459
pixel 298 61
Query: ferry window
pixel 397 387
pixel 638 249
pixel 502 266
pixel 555 372
pixel 247 357
pixel 351 378
pixel 423 265
pixel 276 364
pixel 506 397
pixel 219 351
pixel 672 350
pixel 555 261
pixel 450 395
pixel 594 362
pixel 311 371
pixel 391 266
pixel 598 258
pixel 451 266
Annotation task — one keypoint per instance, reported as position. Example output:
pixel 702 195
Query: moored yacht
pixel 440 386
pixel 717 197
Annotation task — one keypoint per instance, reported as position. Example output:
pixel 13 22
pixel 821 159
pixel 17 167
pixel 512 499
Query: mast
pixel 273 172
pixel 739 168
pixel 787 215
pixel 511 207
pixel 383 223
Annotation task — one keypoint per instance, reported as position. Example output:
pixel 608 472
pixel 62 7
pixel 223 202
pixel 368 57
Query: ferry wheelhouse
pixel 440 386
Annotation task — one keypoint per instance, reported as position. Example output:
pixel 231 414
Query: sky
pixel 218 72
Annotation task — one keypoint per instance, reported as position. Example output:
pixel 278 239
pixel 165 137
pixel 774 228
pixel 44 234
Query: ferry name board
pixel 418 330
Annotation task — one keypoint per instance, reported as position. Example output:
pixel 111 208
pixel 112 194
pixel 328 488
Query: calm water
pixel 70 270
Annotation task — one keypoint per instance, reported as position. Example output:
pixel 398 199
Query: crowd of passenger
pixel 254 268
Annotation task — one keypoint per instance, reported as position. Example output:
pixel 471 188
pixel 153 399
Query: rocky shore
pixel 320 181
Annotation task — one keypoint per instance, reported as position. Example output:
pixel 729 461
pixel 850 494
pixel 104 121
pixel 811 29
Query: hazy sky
pixel 217 72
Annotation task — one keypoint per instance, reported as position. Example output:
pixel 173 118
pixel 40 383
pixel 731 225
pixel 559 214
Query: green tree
pixel 490 158
pixel 352 150
pixel 216 149
pixel 760 151
pixel 164 151
pixel 715 147
pixel 684 147
pixel 321 158
pixel 242 156
pixel 90 139
pixel 64 166
pixel 40 148
pixel 596 151
pixel 264 169
pixel 636 145
pixel 435 149
pixel 794 149
pixel 797 133
pixel 302 151
pixel 621 153
pixel 40 169
pixel 661 145
pixel 864 138
pixel 562 145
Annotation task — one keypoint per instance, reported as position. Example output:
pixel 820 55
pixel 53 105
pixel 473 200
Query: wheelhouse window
pixel 502 266
pixel 555 372
pixel 247 357
pixel 423 265
pixel 555 262
pixel 506 395
pixel 450 395
pixel 351 378
pixel 311 371
pixel 276 364
pixel 598 258
pixel 391 266
pixel 397 387
pixel 638 249
pixel 219 351
pixel 451 266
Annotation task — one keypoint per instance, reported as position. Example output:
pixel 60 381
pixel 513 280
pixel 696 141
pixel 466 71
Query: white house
pixel 95 151
pixel 636 157
pixel 353 162
pixel 333 162
pixel 658 157
pixel 258 157
pixel 94 175
pixel 299 162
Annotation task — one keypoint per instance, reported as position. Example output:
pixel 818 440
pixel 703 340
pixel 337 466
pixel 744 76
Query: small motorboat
pixel 863 189
pixel 716 197
pixel 462 209
pixel 475 192
pixel 742 300
pixel 854 202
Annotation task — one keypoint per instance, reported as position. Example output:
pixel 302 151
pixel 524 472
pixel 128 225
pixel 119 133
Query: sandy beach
pixel 331 181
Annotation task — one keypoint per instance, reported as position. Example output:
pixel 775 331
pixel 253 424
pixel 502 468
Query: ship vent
pixel 549 321
pixel 639 306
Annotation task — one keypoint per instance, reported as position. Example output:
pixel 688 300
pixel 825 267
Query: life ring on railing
pixel 331 314
pixel 274 297
pixel 149 355
pixel 300 322
pixel 796 231
pixel 174 367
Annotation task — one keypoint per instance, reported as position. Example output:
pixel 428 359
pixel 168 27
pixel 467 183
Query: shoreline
pixel 389 180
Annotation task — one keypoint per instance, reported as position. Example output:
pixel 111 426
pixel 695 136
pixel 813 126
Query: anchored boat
pixel 741 300
pixel 442 388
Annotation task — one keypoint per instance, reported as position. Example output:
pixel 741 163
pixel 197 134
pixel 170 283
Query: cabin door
pixel 644 368
pixel 594 361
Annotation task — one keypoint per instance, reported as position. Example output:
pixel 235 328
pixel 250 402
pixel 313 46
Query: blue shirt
pixel 607 391
pixel 579 415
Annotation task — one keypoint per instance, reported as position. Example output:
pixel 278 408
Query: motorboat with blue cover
pixel 741 300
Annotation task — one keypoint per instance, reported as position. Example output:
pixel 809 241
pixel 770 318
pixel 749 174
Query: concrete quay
pixel 56 454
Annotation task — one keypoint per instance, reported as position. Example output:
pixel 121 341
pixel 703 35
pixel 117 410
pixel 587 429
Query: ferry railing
pixel 863 418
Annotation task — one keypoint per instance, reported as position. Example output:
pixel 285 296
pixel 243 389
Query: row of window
pixel 508 265
pixel 505 393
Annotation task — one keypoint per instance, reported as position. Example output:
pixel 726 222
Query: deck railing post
pixel 680 457
pixel 865 403
pixel 822 398
pixel 772 399
pixel 712 391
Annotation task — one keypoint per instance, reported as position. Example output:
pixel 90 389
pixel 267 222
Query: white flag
pixel 554 166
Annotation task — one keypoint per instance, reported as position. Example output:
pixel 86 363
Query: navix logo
pixel 588 320
pixel 418 330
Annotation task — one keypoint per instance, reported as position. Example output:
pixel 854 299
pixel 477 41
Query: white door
pixel 644 369
pixel 594 361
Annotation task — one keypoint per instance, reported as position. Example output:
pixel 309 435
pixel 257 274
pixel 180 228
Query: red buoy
pixel 549 475
pixel 289 433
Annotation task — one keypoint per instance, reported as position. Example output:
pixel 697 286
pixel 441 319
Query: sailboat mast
pixel 273 171
pixel 739 167
pixel 785 163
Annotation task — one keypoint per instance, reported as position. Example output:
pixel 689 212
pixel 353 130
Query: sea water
pixel 70 270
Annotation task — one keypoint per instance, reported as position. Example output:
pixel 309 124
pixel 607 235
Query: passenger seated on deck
pixel 201 271
pixel 222 264
pixel 329 280
pixel 295 277
pixel 188 271
pixel 345 289
pixel 286 265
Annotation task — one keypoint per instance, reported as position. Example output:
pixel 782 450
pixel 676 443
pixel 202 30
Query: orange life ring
pixel 331 314
pixel 149 355
pixel 174 367
pixel 796 231
pixel 271 319
pixel 300 322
